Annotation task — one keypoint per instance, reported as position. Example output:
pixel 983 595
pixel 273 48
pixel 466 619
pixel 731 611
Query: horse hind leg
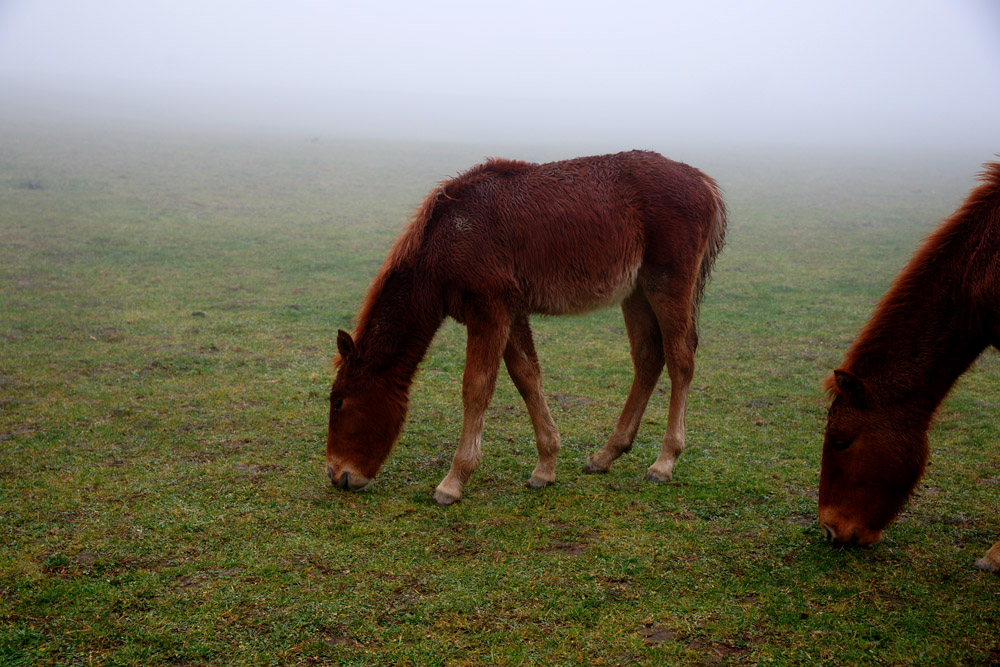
pixel 647 361
pixel 522 365
pixel 991 561
pixel 680 341
pixel 487 338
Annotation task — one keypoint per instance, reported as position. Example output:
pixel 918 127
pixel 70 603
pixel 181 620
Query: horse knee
pixel 681 371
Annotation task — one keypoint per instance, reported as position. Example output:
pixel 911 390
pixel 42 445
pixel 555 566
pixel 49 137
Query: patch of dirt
pixel 108 335
pixel 190 427
pixel 196 581
pixel 199 457
pixel 569 401
pixel 407 594
pixel 433 462
pixel 712 652
pixel 568 540
pixel 568 548
pixel 236 305
pixel 236 445
pixel 318 564
pixel 891 600
pixel 17 430
pixel 758 404
pixel 337 637
pixel 959 520
pixel 253 470
pixel 454 542
pixel 653 635
pixel 190 583
pixel 85 559
pixel 718 653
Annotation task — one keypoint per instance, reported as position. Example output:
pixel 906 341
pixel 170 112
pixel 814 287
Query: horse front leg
pixel 523 368
pixel 487 337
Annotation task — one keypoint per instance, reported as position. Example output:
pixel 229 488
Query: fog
pixel 893 73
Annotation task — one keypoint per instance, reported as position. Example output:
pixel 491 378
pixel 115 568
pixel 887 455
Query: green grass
pixel 169 308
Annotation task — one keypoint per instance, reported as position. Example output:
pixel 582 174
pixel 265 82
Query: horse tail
pixel 716 239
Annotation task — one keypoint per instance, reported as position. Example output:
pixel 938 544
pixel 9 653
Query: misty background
pixel 868 73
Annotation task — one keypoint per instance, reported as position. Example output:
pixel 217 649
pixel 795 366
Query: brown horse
pixel 507 239
pixel 942 311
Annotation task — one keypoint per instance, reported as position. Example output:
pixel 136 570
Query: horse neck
pixel 396 328
pixel 923 337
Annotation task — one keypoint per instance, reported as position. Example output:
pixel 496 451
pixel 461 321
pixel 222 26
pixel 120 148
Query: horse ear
pixel 345 344
pixel 850 385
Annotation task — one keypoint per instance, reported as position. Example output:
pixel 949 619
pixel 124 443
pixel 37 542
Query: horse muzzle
pixel 347 480
pixel 839 530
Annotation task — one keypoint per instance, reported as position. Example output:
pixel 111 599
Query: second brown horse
pixel 508 239
pixel 942 311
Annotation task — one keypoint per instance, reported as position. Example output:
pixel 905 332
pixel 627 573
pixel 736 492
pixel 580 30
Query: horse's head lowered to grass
pixel 873 457
pixel 938 316
pixel 509 239
pixel 366 417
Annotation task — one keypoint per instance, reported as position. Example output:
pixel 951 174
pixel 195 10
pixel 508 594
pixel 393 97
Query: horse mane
pixel 973 229
pixel 405 252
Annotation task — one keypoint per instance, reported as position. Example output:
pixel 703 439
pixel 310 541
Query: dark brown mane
pixel 403 253
pixel 941 312
pixel 946 271
pixel 406 249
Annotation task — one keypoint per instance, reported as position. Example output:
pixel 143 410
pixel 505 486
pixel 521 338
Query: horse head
pixel 873 456
pixel 366 417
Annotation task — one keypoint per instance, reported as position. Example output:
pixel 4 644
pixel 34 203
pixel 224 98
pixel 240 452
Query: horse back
pixel 569 236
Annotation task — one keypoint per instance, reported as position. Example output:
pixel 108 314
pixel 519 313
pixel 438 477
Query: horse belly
pixel 589 283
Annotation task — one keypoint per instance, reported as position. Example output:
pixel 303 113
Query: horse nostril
pixel 345 481
pixel 828 532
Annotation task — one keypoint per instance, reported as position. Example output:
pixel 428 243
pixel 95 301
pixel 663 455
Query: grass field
pixel 169 307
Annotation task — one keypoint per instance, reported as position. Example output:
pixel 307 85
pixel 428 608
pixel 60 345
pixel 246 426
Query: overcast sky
pixel 911 72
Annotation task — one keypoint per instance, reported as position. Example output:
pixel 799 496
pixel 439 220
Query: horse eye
pixel 840 443
pixel 336 403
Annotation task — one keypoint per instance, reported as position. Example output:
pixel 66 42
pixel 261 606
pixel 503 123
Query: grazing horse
pixel 507 239
pixel 942 311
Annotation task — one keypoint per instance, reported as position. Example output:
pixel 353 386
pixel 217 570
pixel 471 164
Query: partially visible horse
pixel 942 311
pixel 507 239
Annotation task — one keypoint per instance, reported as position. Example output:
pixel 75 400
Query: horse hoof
pixel 538 483
pixel 442 499
pixel 986 565
pixel 659 479
pixel 591 469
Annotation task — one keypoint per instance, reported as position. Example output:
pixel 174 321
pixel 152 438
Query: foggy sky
pixel 855 72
